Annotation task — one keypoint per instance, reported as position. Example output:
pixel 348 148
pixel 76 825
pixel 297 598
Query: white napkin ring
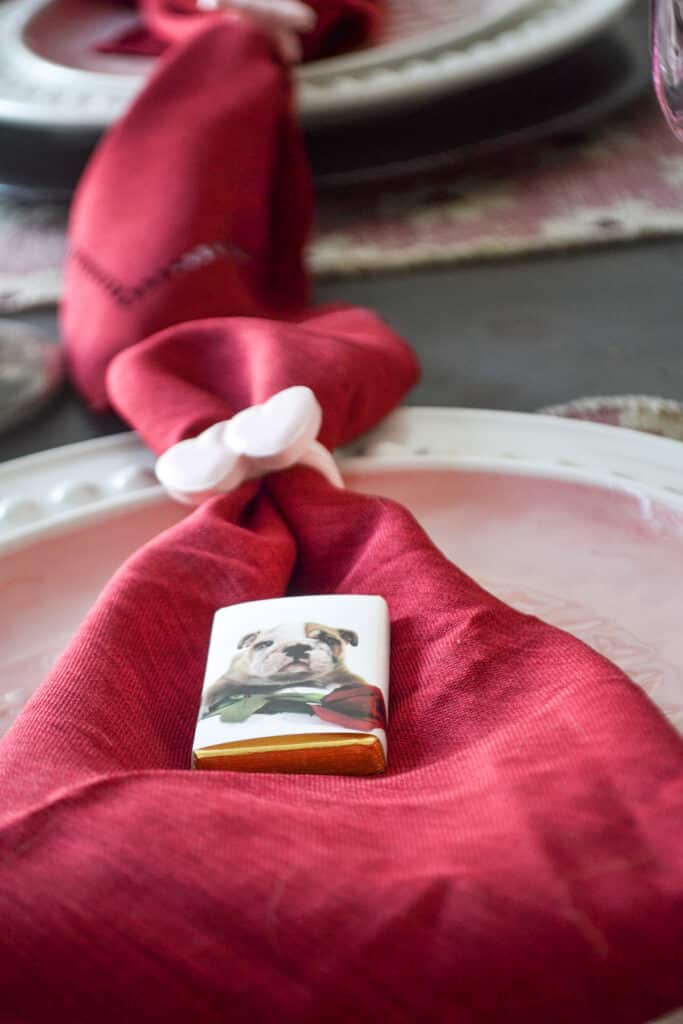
pixel 262 439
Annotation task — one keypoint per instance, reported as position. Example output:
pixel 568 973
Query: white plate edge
pixel 75 486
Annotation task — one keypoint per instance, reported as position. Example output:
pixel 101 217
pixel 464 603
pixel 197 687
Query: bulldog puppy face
pixel 294 652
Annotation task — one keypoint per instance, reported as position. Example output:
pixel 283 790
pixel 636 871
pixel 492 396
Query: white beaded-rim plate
pixel 51 75
pixel 581 524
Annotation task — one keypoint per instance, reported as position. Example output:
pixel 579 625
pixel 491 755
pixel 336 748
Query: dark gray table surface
pixel 515 334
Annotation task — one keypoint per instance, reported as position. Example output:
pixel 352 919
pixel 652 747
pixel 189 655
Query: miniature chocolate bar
pixel 296 684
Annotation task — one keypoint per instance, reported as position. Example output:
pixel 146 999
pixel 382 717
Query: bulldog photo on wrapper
pixel 295 667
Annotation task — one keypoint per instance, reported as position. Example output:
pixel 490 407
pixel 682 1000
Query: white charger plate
pixel 578 523
pixel 50 76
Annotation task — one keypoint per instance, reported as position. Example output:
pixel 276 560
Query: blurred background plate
pixel 563 99
pixel 51 76
pixel 30 371
pixel 578 523
pixel 569 95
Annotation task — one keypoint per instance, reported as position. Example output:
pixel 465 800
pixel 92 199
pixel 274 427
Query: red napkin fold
pixel 523 856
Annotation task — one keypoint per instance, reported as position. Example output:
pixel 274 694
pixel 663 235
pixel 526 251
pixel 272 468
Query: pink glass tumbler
pixel 667 60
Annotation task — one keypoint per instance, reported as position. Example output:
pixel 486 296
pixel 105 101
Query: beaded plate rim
pixel 56 490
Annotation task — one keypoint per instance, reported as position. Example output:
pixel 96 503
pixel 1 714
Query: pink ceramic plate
pixel 578 523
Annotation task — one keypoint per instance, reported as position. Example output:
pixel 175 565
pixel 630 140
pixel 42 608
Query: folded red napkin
pixel 341 25
pixel 196 203
pixel 523 856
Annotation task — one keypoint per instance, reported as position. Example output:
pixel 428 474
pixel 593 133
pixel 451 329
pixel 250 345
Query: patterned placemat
pixel 648 413
pixel 620 183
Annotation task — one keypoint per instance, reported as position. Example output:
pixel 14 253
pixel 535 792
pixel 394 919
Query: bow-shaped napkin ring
pixel 259 440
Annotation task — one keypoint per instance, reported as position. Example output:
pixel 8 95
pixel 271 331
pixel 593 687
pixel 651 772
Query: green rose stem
pixel 241 706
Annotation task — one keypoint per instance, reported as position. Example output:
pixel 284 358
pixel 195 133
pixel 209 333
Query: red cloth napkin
pixel 521 859
pixel 196 203
pixel 341 25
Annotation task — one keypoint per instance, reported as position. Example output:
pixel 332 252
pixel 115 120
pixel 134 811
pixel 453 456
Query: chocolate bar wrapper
pixel 296 684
